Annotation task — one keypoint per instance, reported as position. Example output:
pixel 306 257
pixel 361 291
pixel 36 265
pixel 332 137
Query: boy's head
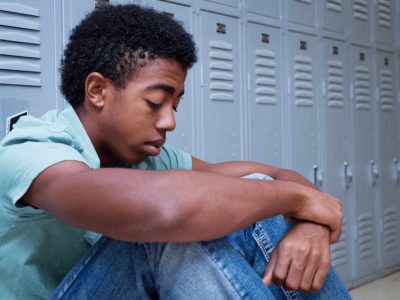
pixel 117 41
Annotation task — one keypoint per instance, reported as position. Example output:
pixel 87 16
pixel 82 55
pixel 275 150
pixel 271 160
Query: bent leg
pixel 109 270
pixel 257 243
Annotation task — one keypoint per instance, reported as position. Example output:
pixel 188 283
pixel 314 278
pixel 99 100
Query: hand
pixel 322 208
pixel 302 258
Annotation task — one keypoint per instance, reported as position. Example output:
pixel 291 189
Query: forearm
pixel 242 168
pixel 178 206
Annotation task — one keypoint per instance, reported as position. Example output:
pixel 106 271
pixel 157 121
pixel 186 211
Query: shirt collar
pixel 70 118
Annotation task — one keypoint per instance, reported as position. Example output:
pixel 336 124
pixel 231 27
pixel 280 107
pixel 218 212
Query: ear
pixel 95 89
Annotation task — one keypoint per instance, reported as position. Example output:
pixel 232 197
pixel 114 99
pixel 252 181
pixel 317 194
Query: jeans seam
pixel 265 244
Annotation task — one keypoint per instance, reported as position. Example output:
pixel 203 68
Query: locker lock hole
pixel 303 45
pixel 362 56
pixel 265 38
pixel 335 50
pixel 386 61
pixel 221 28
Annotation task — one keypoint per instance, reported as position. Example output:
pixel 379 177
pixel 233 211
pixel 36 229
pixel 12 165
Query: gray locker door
pixel 302 55
pixel 264 62
pixel 221 123
pixel 384 22
pixel 269 8
pixel 27 58
pixel 388 160
pixel 335 155
pixel 334 15
pixel 234 3
pixel 359 20
pixel 301 12
pixel 183 136
pixel 366 247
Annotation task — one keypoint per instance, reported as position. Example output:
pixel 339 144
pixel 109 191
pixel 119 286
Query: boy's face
pixel 135 119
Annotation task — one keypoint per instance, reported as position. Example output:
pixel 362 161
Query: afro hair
pixel 118 40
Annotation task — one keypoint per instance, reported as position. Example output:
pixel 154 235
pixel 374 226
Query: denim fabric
pixel 227 268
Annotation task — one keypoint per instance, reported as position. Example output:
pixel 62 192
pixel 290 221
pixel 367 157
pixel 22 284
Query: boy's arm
pixel 176 205
pixel 302 258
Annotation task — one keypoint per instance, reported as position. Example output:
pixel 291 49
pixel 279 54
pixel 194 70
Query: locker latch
pixel 396 170
pixel 318 180
pixel 374 172
pixel 348 175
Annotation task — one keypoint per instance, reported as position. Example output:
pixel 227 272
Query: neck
pixel 107 160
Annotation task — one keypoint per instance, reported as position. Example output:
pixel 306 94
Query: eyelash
pixel 156 106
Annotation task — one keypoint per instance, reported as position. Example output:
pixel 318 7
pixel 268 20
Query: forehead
pixel 159 71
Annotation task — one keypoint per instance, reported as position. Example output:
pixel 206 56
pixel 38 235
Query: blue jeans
pixel 227 268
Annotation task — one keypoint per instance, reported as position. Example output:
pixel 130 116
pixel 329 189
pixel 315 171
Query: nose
pixel 166 121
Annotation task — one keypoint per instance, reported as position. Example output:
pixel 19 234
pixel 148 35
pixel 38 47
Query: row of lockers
pixel 321 104
pixel 273 84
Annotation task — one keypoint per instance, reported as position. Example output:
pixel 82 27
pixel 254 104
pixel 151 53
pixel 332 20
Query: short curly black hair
pixel 116 41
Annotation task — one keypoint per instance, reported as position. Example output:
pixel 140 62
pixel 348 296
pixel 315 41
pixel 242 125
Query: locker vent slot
pixel 19 45
pixel 360 10
pixel 384 15
pixel 335 84
pixel 334 5
pixel 221 71
pixel 361 85
pixel 303 81
pixel 390 228
pixel 386 90
pixel 304 1
pixel 365 236
pixel 339 249
pixel 265 70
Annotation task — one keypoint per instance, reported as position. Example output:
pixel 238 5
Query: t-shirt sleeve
pixel 169 158
pixel 21 161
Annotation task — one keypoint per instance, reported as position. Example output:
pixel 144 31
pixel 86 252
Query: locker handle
pixel 318 181
pixel 348 175
pixel 396 168
pixel 374 172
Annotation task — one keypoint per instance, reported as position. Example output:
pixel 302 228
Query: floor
pixel 387 288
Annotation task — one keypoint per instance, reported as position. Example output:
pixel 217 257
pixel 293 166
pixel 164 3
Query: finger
pixel 310 271
pixel 322 271
pixel 282 265
pixel 267 277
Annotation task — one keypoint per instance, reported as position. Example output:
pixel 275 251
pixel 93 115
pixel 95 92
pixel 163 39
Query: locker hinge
pixel 380 226
pixel 323 88
pixel 249 82
pixel 288 86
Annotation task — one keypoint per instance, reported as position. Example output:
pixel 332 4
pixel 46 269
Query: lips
pixel 153 147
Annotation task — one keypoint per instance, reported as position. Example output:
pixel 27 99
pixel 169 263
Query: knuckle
pixel 291 285
pixel 305 286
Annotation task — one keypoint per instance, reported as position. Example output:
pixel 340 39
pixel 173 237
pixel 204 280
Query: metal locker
pixel 365 167
pixel 384 22
pixel 388 161
pixel 183 136
pixel 233 3
pixel 269 8
pixel 333 15
pixel 301 68
pixel 264 62
pixel 335 137
pixel 359 20
pixel 220 82
pixel 27 58
pixel 301 12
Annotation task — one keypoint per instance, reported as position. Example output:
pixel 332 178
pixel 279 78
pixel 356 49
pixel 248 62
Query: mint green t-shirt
pixel 37 250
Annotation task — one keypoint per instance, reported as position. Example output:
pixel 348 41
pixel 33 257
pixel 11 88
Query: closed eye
pixel 153 105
